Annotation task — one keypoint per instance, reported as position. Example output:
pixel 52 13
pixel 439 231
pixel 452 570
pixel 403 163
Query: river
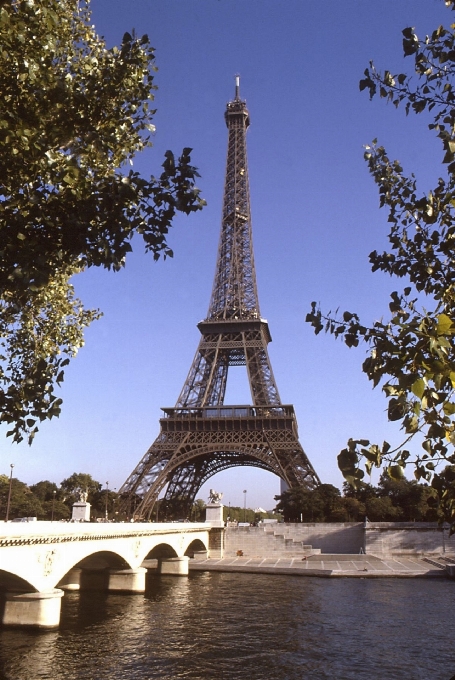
pixel 225 626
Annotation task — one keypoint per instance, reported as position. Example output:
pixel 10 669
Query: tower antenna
pixel 237 86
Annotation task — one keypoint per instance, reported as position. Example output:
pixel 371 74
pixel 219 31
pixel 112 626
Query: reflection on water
pixel 237 626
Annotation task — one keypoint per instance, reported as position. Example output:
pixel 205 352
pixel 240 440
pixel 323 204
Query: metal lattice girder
pixel 201 436
pixel 195 444
pixel 236 343
pixel 234 293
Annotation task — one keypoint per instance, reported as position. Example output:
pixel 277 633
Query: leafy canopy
pixel 412 354
pixel 73 114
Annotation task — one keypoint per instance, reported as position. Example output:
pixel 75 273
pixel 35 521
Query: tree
pixel 50 498
pixel 23 503
pixel 73 114
pixel 44 490
pixel 104 500
pixel 39 334
pixel 412 355
pixel 77 483
pixel 355 509
pixel 409 496
pixel 198 510
pixel 322 504
pixel 382 509
pixel 55 510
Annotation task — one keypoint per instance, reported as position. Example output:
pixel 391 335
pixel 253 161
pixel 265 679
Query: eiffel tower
pixel 201 435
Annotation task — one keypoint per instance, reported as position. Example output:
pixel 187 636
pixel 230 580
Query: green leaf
pixel 395 472
pixel 347 460
pixel 395 410
pixel 444 324
pixel 418 388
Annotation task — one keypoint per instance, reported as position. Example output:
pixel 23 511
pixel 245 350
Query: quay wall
pixel 407 538
pixel 374 538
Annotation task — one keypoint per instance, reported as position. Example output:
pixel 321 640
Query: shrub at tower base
pixel 412 355
pixel 73 114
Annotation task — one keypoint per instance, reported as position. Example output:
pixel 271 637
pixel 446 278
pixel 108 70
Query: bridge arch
pixel 195 546
pixel 161 551
pixel 13 582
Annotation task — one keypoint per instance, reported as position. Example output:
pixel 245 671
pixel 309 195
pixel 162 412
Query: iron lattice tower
pixel 201 436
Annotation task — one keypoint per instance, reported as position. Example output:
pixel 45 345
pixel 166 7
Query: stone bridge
pixel 39 560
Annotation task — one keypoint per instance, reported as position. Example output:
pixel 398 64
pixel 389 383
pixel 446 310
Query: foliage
pixel 323 504
pixel 23 502
pixel 38 337
pixel 44 490
pixel 412 355
pixel 77 483
pixel 51 499
pixel 237 514
pixel 198 510
pixel 390 501
pixel 73 114
pixel 55 510
pixel 104 500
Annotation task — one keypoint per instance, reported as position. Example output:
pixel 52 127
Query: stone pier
pixel 128 580
pixel 177 566
pixel 40 610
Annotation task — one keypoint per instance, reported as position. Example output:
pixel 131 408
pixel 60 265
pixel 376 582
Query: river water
pixel 245 626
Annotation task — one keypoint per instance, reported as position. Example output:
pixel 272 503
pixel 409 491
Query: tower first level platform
pixel 196 443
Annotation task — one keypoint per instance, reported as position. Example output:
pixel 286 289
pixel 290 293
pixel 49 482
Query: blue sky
pixel 315 219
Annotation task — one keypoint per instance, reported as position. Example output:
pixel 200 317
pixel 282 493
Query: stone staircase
pixel 446 562
pixel 267 541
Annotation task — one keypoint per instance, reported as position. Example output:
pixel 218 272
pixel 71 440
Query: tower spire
pixel 201 436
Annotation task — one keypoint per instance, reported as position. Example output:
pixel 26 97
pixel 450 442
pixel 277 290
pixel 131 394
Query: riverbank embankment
pixel 328 566
pixel 357 549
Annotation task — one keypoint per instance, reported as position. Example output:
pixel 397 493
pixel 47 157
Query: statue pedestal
pixel 214 515
pixel 81 512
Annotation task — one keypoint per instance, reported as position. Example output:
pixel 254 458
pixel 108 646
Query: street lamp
pixel 9 491
pixel 114 511
pixel 244 505
pixel 53 504
pixel 107 497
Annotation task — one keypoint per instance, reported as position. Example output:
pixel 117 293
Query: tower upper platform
pixel 236 111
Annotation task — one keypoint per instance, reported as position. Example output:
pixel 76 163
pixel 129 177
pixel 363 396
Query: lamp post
pixel 244 505
pixel 114 511
pixel 107 498
pixel 9 491
pixel 53 504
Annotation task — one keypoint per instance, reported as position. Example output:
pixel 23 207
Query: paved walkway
pixel 360 566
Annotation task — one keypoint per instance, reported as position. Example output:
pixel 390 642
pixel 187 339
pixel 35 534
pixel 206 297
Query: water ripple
pixel 245 626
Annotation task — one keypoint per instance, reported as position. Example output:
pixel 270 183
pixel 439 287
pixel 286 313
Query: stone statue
pixel 83 495
pixel 215 496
